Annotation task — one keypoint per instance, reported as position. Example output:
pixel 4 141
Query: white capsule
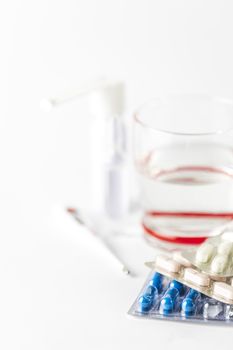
pixel 225 248
pixel 167 264
pixel 177 256
pixel 223 290
pixel 219 263
pixel 197 278
pixel 204 253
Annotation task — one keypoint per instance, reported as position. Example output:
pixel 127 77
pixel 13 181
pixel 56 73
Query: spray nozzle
pixel 107 97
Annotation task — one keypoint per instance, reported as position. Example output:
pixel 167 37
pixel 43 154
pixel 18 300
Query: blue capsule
pixel 156 281
pixel 179 286
pixel 190 302
pixel 168 302
pixel 146 301
pixel 150 291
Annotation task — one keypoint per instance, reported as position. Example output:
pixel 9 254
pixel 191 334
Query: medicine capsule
pixel 219 263
pixel 150 291
pixel 223 290
pixel 197 278
pixel 179 286
pixel 168 264
pixel 156 281
pixel 146 301
pixel 189 304
pixel 225 248
pixel 168 302
pixel 204 253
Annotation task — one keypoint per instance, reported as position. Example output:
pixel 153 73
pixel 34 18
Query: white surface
pixel 53 282
pixel 59 290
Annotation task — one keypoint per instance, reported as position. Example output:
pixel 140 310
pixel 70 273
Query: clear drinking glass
pixel 183 147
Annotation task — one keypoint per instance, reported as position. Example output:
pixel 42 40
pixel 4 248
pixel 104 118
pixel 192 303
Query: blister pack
pixel 163 298
pixel 219 288
pixel 214 257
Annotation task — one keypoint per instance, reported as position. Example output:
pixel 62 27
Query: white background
pixel 56 290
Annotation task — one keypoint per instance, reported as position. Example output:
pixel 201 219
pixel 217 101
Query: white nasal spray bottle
pixel 110 169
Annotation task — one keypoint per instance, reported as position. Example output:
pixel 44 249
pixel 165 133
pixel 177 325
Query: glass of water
pixel 183 147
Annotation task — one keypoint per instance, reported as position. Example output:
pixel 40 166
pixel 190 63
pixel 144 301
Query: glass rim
pixel 221 100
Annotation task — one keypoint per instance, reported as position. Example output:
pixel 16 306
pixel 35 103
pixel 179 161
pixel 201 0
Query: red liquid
pixel 187 240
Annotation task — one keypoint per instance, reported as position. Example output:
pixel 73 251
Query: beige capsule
pixel 219 263
pixel 168 264
pixel 196 277
pixel 223 290
pixel 204 253
pixel 225 248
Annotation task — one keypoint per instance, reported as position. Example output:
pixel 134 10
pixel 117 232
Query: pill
pixel 225 248
pixel 177 256
pixel 146 301
pixel 168 302
pixel 150 291
pixel 190 303
pixel 197 278
pixel 223 290
pixel 156 281
pixel 167 264
pixel 179 286
pixel 204 253
pixel 219 263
